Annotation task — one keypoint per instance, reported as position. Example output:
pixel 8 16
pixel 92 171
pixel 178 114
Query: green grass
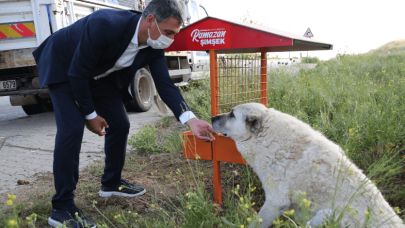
pixel 357 101
pixel 310 60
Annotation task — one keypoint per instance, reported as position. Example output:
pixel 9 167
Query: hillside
pixel 390 46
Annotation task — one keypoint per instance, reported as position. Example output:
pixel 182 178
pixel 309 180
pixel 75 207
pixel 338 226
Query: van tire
pixel 142 89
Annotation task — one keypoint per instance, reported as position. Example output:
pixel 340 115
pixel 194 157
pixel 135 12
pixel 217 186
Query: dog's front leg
pixel 270 211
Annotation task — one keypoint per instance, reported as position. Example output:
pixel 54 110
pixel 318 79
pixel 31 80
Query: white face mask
pixel 161 43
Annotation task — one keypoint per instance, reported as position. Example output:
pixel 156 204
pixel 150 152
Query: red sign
pixel 213 33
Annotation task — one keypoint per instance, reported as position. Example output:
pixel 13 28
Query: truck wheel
pixel 42 106
pixel 142 90
pixel 33 109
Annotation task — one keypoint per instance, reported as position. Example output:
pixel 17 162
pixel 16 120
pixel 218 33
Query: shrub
pixel 310 60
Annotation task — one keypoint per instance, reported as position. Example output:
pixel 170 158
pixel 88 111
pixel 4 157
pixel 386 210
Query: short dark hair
pixel 163 9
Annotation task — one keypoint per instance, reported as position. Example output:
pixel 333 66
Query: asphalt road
pixel 27 142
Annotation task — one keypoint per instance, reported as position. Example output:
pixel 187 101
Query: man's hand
pixel 97 125
pixel 201 129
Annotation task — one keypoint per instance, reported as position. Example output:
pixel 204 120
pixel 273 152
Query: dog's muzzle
pixel 216 124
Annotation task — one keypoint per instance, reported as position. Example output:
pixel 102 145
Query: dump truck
pixel 25 24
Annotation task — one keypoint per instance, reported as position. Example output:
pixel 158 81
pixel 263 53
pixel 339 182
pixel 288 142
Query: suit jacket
pixel 91 46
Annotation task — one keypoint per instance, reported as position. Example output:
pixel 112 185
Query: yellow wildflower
pixel 260 220
pixel 253 203
pixel 115 216
pixel 241 199
pixel 11 197
pixel 306 202
pixel 9 202
pixel 248 219
pixel 381 211
pixel 366 212
pixel 12 222
pixel 289 212
pixel 120 188
pixel 396 209
pixel 292 212
pixel 246 206
pixel 129 212
pixel 237 187
pixel 242 226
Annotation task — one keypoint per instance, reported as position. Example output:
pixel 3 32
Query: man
pixel 88 68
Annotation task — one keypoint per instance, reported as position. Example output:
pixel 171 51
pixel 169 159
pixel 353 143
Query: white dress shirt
pixel 126 60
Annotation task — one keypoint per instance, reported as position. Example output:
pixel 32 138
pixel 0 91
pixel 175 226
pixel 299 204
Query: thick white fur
pixel 282 150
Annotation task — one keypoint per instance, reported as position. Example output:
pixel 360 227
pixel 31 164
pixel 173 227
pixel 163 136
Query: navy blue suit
pixel 67 62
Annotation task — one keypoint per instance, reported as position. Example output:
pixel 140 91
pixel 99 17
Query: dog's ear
pixel 253 120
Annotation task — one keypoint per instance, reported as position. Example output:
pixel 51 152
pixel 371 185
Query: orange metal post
pixel 217 178
pixel 214 82
pixel 214 112
pixel 263 78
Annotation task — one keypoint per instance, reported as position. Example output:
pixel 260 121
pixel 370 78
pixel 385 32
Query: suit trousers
pixel 70 127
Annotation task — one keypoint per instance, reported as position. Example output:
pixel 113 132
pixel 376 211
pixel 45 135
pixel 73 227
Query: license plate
pixel 10 85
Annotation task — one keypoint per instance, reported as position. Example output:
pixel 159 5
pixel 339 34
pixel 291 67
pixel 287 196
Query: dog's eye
pixel 231 114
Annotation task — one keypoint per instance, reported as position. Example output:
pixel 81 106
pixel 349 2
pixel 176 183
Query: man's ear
pixel 150 19
pixel 253 120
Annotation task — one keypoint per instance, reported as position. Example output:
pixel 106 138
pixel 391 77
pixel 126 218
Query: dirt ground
pixel 164 175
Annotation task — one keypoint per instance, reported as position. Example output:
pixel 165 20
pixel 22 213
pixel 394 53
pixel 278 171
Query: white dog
pixel 291 158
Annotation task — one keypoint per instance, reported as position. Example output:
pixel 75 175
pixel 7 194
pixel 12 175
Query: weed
pixel 166 121
pixel 310 60
pixel 146 140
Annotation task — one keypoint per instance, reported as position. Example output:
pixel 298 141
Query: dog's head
pixel 243 121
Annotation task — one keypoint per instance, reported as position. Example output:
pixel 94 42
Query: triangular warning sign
pixel 308 33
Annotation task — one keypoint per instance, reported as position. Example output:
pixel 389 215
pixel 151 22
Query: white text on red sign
pixel 205 37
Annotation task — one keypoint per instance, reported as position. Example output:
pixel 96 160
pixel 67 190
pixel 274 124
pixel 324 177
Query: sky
pixel 352 26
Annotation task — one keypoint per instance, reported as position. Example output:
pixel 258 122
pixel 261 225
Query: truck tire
pixel 142 89
pixel 33 109
pixel 42 106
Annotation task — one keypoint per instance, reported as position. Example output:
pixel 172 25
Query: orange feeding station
pixel 234 80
